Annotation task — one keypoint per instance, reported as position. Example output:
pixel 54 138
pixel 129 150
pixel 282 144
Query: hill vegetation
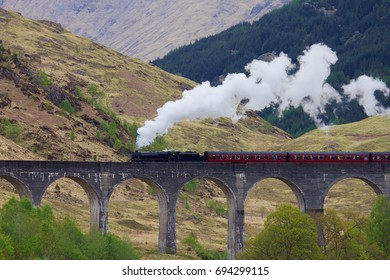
pixel 358 31
pixel 28 233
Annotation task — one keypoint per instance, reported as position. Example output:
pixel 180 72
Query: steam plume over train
pixel 278 81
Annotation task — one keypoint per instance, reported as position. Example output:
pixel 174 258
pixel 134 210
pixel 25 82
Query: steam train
pixel 262 157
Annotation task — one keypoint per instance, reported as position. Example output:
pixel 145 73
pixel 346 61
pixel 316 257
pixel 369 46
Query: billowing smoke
pixel 362 89
pixel 278 81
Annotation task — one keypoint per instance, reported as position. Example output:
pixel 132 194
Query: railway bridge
pixel 310 183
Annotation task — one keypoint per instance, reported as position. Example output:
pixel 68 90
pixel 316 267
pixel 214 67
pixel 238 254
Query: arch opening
pixel 12 187
pixel 205 211
pixel 134 215
pixel 347 207
pixel 264 197
pixel 351 194
pixel 74 198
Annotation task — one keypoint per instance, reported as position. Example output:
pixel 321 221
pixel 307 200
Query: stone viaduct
pixel 310 183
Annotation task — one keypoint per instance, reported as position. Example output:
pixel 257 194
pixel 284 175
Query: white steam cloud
pixel 362 89
pixel 268 82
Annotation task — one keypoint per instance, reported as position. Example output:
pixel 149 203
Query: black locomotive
pixel 166 156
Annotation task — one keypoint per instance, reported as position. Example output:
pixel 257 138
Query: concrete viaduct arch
pixel 310 183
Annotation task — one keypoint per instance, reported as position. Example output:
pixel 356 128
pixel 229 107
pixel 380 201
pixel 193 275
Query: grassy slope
pixel 65 57
pixel 371 134
pixel 248 133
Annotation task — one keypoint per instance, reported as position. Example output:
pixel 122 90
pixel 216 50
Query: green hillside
pixel 358 31
pixel 371 134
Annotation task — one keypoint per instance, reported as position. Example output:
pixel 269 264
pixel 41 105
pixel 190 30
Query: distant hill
pixel 358 30
pixel 142 28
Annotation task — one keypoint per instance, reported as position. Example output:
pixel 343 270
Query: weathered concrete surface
pixel 310 182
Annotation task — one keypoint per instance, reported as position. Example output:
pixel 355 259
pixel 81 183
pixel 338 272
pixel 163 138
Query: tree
pixel 345 237
pixel 288 234
pixel 379 225
pixel 10 130
pixel 95 93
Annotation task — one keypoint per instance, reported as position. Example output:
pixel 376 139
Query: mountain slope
pixel 44 67
pixel 143 28
pixel 371 134
pixel 357 30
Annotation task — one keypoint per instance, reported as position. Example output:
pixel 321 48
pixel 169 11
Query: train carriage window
pixel 365 158
pixel 213 156
pixel 237 157
pixel 339 157
pixel 257 157
pixel 220 157
pixel 321 157
pixel 229 157
pixel 305 157
pixel 348 157
pixel 355 157
pixel 274 157
pixel 296 157
pixel 265 157
pixel 313 157
pixel 246 157
pixel 387 157
pixel 331 157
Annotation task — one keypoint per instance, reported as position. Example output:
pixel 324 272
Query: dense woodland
pixel 358 30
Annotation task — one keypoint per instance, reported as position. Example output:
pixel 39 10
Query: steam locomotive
pixel 261 157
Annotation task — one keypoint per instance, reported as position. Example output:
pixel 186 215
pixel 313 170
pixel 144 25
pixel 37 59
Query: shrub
pixel 193 244
pixel 159 144
pixel 10 130
pixel 217 207
pixel 72 135
pixel 67 107
pixel 191 186
pixel 43 79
